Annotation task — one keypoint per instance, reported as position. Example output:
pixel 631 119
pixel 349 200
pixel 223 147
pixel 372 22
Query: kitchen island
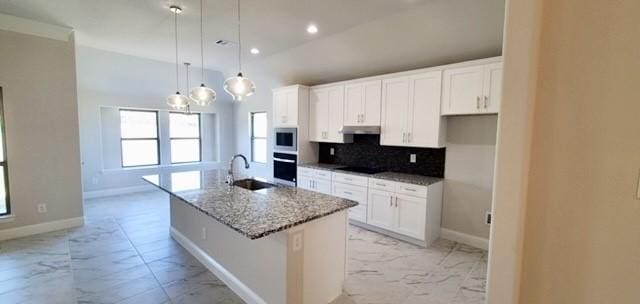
pixel 274 245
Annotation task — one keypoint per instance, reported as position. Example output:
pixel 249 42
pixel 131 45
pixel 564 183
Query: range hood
pixel 360 130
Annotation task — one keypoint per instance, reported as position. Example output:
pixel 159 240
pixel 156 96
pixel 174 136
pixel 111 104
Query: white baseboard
pixel 464 238
pixel 242 290
pixel 117 191
pixel 18 232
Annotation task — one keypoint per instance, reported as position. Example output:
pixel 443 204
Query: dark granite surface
pixel 254 214
pixel 366 151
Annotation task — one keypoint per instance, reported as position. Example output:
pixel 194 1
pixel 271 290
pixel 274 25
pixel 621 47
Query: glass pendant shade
pixel 178 101
pixel 202 95
pixel 239 87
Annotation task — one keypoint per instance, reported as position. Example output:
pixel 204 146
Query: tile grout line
pixel 143 260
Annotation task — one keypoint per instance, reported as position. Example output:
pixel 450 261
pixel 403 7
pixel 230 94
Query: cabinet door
pixel 322 186
pixel 371 102
pixel 462 90
pixel 380 209
pixel 304 182
pixel 279 108
pixel 395 102
pixel 352 104
pixel 318 114
pixel 334 114
pixel 411 215
pixel 424 111
pixel 492 87
pixel 292 108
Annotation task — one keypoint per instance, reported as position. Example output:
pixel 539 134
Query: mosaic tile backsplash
pixel 366 151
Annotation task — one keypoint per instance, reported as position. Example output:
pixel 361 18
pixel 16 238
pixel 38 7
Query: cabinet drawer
pixel 350 179
pixel 303 171
pixel 383 185
pixel 350 192
pixel 413 190
pixel 322 174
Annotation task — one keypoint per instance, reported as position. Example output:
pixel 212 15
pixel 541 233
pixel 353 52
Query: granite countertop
pixel 254 214
pixel 392 176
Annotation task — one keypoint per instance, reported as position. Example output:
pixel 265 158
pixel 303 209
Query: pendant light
pixel 239 86
pixel 186 68
pixel 202 95
pixel 177 100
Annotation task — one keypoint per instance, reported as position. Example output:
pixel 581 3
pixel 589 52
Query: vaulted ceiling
pixel 356 37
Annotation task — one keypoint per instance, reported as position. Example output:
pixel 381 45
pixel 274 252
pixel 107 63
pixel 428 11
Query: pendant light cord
pixel 201 42
pixel 175 13
pixel 239 42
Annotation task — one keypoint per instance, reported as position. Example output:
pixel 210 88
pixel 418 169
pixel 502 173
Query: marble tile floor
pixel 124 254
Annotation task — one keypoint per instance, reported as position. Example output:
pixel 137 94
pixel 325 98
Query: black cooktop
pixel 361 170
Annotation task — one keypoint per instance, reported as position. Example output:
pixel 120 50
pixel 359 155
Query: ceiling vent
pixel 225 43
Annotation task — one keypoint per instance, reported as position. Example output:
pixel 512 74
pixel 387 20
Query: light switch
pixel 297 241
pixel 332 151
pixel 412 158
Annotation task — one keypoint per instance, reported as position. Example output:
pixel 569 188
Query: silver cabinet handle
pixel 284 160
pixel 396 202
pixel 478 102
pixel 486 101
pixel 390 201
pixel 379 184
pixel 404 137
pixel 348 193
pixel 409 139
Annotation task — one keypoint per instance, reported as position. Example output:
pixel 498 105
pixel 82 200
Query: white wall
pixel 469 165
pixel 38 79
pixel 107 79
pixel 261 101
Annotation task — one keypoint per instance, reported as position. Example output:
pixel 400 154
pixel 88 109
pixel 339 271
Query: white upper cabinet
pixel 362 103
pixel 492 87
pixel 395 106
pixel 411 111
pixel 326 106
pixel 472 90
pixel 285 106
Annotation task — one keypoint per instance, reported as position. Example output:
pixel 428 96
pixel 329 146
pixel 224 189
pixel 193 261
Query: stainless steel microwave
pixel 286 139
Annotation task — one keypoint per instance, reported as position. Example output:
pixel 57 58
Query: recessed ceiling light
pixel 312 29
pixel 254 51
pixel 175 9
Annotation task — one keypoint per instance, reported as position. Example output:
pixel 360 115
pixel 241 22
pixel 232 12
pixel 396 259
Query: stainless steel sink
pixel 252 184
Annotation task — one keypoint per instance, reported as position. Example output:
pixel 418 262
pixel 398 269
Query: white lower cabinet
pixel 314 180
pixel 399 213
pixel 410 216
pixel 381 212
pixel 354 193
pixel 403 209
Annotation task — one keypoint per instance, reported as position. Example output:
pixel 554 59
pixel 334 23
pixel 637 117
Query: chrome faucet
pixel 230 178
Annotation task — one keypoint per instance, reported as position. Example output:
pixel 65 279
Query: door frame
pixel 520 54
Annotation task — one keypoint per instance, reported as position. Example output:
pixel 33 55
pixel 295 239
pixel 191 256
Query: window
pixel 259 137
pixel 184 132
pixel 4 175
pixel 139 138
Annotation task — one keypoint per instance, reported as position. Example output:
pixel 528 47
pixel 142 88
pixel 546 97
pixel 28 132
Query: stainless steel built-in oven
pixel 286 139
pixel 284 168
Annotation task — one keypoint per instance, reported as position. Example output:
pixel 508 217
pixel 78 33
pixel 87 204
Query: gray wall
pixel 469 165
pixel 38 79
pixel 108 80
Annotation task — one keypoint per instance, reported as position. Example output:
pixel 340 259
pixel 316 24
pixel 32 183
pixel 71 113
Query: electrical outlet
pixel 204 233
pixel 487 218
pixel 95 180
pixel 42 208
pixel 332 151
pixel 297 241
pixel 412 158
